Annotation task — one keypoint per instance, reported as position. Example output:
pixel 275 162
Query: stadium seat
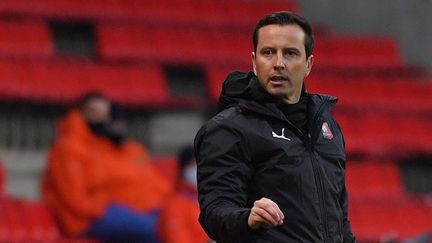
pixel 195 12
pixel 25 39
pixel 374 179
pixel 26 221
pixel 13 76
pixel 395 95
pixel 212 45
pixel 379 207
pixel 173 45
pixel 392 137
pixel 64 81
pixel 140 86
pixel 405 217
pixel 357 51
pixel 214 80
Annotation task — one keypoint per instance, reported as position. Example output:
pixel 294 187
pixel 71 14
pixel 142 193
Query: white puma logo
pixel 281 136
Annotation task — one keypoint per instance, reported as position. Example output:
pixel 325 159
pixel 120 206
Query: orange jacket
pixel 86 172
pixel 178 222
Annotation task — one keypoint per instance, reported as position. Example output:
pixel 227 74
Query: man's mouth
pixel 278 78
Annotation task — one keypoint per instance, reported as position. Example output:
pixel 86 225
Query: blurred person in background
pixel 425 237
pixel 271 163
pixel 2 178
pixel 179 217
pixel 98 183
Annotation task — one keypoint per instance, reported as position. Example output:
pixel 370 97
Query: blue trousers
pixel 123 224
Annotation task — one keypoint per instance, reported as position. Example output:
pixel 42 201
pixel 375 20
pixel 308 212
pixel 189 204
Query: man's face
pixel 97 110
pixel 280 61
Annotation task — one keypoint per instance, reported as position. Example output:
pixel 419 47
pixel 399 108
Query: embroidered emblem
pixel 282 136
pixel 327 133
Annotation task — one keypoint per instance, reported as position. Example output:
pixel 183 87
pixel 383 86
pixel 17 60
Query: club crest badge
pixel 327 133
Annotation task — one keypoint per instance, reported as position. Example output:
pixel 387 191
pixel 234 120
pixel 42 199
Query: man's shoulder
pixel 227 117
pixel 230 119
pixel 319 97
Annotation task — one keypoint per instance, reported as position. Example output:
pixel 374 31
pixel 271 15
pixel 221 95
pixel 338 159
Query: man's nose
pixel 279 62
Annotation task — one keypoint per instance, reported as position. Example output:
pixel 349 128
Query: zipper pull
pixel 309 139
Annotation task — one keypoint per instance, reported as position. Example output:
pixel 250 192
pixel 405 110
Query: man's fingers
pixel 265 213
pixel 264 216
pixel 271 208
pixel 260 222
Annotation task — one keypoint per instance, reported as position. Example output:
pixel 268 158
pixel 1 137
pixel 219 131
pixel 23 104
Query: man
pixel 178 221
pixel 98 183
pixel 271 163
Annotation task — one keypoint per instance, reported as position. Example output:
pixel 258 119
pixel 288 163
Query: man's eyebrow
pixel 267 47
pixel 291 49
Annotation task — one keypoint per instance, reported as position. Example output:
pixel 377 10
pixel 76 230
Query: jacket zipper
pixel 320 191
pixel 313 136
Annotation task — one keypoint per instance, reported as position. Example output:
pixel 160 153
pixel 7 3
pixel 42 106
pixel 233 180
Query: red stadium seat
pixel 25 221
pixel 136 85
pixel 29 39
pixel 396 95
pixel 378 135
pixel 173 45
pixel 215 78
pixel 56 82
pixel 64 81
pixel 14 76
pixel 357 51
pixel 405 217
pixel 204 13
pixel 378 205
pixel 374 179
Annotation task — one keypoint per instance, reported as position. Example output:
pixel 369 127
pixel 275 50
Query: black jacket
pixel 243 155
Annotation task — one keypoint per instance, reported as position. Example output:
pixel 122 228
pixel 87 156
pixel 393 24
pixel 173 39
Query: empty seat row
pixel 146 84
pixel 65 81
pixel 25 38
pixel 25 221
pixel 391 94
pixel 354 51
pixel 168 44
pixel 374 179
pixel 379 135
pixel 402 218
pixel 229 13
pixel 379 206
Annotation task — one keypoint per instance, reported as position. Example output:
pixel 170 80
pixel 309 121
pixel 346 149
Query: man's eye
pixel 267 52
pixel 291 53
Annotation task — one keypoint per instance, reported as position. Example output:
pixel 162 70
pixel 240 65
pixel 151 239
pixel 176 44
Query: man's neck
pixel 291 100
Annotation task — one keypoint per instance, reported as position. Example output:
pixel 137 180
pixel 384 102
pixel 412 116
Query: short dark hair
pixel 184 157
pixel 286 18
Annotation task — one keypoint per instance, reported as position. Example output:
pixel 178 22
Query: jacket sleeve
pixel 223 174
pixel 348 236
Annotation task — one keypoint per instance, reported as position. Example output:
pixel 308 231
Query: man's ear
pixel 309 64
pixel 253 62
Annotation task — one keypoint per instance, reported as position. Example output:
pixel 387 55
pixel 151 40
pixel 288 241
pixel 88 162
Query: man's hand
pixel 265 213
